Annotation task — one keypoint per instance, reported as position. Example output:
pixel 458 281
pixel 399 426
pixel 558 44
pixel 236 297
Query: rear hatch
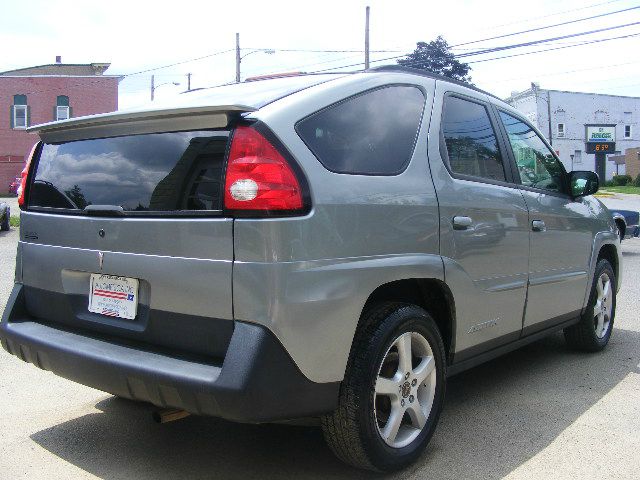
pixel 131 210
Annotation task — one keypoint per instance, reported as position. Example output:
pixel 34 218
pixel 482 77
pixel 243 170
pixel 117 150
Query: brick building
pixel 33 95
pixel 631 160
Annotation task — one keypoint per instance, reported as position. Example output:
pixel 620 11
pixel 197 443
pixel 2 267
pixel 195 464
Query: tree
pixel 436 57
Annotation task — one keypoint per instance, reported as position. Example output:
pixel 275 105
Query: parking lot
pixel 540 412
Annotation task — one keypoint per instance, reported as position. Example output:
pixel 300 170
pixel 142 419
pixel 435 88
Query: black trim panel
pixel 536 327
pixel 151 329
pixel 473 361
pixel 483 347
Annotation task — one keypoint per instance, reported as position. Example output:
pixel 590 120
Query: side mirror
pixel 583 183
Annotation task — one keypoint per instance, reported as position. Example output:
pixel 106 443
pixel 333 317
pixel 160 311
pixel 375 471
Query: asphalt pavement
pixel 540 412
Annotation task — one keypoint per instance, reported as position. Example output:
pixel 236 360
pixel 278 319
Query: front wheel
pixel 593 331
pixel 393 391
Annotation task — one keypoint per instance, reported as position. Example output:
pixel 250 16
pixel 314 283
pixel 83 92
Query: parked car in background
pixel 628 223
pixel 5 216
pixel 330 246
pixel 13 186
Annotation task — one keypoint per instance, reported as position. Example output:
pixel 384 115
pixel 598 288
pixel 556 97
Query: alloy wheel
pixel 603 306
pixel 405 389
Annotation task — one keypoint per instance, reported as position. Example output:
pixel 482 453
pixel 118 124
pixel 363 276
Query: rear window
pixel 157 172
pixel 372 134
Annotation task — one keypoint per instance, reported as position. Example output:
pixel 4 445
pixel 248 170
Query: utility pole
pixel 188 82
pixel 152 86
pixel 549 117
pixel 237 58
pixel 366 41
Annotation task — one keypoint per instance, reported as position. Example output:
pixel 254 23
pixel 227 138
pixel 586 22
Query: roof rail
pixel 428 74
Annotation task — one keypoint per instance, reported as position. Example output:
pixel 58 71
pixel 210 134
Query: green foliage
pixel 621 180
pixel 436 57
pixel 14 221
pixel 628 189
pixel 636 182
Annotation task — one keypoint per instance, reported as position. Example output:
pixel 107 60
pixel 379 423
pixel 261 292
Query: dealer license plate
pixel 113 296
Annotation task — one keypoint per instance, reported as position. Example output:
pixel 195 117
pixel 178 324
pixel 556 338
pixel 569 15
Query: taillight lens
pixel 258 177
pixel 23 177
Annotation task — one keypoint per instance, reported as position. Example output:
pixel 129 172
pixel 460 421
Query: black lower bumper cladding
pixel 256 382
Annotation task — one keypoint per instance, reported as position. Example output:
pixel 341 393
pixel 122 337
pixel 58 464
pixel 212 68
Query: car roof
pixel 240 97
pixel 435 76
pixel 235 97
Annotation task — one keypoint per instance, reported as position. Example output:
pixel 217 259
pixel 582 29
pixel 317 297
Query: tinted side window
pixel 471 143
pixel 373 133
pixel 536 164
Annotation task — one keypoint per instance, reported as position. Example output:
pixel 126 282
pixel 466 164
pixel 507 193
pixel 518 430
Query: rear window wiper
pixel 104 210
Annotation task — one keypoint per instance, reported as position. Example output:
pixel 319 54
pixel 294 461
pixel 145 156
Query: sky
pixel 135 36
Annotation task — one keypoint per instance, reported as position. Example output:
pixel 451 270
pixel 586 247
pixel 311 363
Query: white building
pixel 562 116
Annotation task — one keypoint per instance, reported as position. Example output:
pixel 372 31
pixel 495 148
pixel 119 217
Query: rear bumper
pixel 256 382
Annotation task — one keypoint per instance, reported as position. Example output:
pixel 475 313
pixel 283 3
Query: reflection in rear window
pixel 155 172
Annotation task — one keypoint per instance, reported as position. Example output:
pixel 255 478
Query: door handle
pixel 538 226
pixel 461 223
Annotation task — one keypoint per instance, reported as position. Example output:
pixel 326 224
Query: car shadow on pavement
pixel 496 417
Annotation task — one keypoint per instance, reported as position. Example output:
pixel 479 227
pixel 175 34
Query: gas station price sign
pixel 600 139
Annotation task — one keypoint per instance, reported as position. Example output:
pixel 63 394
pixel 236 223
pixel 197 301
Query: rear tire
pixel 393 390
pixel 593 331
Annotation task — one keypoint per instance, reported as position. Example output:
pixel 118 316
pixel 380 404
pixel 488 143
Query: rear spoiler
pixel 137 122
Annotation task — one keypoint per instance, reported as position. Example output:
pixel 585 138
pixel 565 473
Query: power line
pixel 554 74
pixel 322 51
pixel 586 42
pixel 506 47
pixel 178 63
pixel 547 26
pixel 531 19
pixel 299 67
pixel 537 42
pixel 556 48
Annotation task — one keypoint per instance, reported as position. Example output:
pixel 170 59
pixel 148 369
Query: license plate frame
pixel 113 296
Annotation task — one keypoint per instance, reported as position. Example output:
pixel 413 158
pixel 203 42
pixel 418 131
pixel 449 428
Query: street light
pixel 268 51
pixel 153 86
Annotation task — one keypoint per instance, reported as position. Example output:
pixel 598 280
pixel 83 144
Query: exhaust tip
pixel 168 415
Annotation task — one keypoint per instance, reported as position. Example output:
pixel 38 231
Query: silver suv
pixel 328 246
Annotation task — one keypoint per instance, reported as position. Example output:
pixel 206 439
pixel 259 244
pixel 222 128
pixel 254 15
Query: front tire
pixel 393 390
pixel 593 331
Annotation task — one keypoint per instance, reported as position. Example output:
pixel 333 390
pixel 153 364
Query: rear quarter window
pixel 373 133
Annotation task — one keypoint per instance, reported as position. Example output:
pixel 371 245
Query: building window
pixel 561 130
pixel 62 110
pixel 577 156
pixel 19 113
pixel 62 113
pixel 627 131
pixel 19 116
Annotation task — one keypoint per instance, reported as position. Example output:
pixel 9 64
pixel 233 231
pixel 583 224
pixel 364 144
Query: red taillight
pixel 23 177
pixel 258 177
